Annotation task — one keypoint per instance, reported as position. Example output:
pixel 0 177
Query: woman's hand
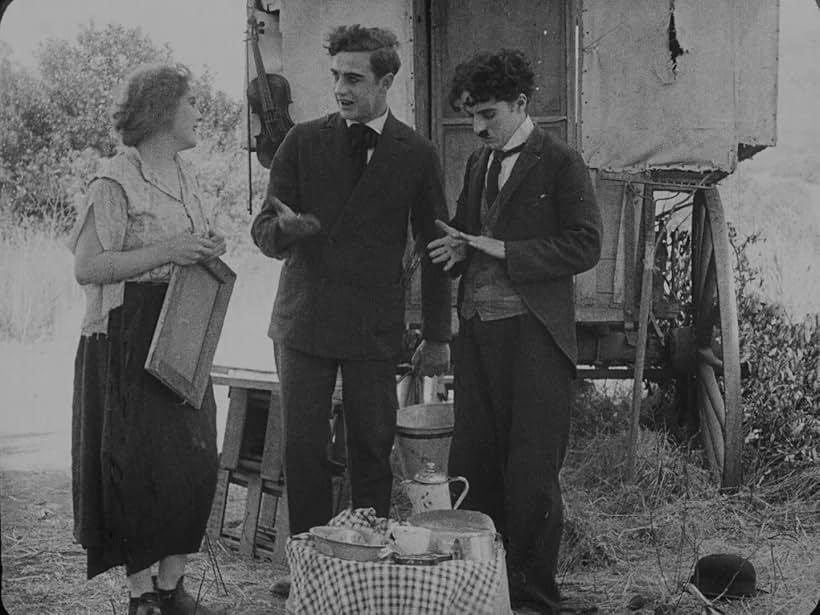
pixel 221 243
pixel 188 249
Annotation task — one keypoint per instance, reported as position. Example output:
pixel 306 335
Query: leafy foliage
pixel 55 122
pixel 781 394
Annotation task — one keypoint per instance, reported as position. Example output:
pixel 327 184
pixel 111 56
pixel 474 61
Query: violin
pixel 269 98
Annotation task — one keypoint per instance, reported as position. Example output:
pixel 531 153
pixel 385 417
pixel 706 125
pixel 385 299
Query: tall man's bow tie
pixel 362 138
pixel 362 135
pixel 495 170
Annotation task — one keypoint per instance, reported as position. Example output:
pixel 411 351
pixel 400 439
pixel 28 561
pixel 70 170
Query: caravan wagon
pixel 662 98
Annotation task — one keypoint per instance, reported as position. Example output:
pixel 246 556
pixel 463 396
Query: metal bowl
pixel 347 543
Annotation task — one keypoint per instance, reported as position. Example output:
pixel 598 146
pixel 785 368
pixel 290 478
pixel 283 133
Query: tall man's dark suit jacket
pixel 340 302
pixel 341 293
pixel 513 375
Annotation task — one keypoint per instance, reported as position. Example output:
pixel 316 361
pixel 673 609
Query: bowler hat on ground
pixel 726 575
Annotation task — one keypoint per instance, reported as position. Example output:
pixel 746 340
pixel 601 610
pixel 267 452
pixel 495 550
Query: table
pixel 333 586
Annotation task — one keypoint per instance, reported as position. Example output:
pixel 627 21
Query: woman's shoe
pixel 146 604
pixel 281 587
pixel 177 601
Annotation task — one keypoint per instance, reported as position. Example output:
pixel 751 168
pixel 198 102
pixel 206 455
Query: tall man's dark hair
pixel 382 43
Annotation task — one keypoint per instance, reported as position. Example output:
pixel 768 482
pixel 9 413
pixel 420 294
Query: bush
pixel 781 394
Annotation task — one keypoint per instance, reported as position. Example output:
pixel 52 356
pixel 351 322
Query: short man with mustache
pixel 526 222
pixel 342 189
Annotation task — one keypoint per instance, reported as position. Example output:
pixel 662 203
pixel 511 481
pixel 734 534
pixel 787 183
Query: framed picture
pixel 182 350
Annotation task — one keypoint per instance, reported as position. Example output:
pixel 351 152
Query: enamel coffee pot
pixel 429 489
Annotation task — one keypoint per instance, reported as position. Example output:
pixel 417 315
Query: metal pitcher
pixel 429 489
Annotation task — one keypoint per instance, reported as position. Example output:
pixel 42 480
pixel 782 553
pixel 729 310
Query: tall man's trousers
pixel 370 402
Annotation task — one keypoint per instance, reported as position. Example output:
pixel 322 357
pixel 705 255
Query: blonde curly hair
pixel 148 100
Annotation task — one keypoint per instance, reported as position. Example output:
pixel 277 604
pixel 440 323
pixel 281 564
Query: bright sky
pixel 200 32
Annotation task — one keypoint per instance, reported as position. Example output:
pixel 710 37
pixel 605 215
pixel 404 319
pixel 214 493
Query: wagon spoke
pixel 709 357
pixel 708 380
pixel 706 266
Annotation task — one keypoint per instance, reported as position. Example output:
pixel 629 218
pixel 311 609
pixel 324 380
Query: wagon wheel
pixel 714 384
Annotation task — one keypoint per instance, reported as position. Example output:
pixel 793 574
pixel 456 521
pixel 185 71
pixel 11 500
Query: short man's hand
pixel 488 245
pixel 291 223
pixel 431 358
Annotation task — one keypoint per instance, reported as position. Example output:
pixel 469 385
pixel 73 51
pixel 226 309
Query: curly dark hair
pixel 502 75
pixel 148 100
pixel 382 42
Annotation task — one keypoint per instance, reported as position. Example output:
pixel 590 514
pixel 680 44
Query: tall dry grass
pixel 37 287
pixel 41 300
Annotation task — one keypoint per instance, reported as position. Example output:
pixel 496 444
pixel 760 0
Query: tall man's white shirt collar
pixel 377 123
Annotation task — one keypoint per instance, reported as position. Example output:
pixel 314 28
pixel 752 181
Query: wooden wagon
pixel 663 98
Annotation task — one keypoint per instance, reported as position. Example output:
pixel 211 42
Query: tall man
pixel 341 191
pixel 526 223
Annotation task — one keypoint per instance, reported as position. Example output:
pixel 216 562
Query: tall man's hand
pixel 447 250
pixel 431 358
pixel 291 223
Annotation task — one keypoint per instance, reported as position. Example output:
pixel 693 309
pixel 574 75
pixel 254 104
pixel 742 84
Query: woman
pixel 144 463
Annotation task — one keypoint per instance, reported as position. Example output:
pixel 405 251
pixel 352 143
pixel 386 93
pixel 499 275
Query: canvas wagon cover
pixel 677 84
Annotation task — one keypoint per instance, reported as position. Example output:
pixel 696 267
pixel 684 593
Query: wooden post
pixel 643 328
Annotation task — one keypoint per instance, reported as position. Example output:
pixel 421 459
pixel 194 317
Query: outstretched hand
pixel 447 250
pixel 291 223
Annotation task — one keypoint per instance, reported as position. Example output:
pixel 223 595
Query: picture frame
pixel 188 328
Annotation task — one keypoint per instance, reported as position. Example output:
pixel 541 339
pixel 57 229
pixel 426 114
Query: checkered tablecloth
pixel 323 585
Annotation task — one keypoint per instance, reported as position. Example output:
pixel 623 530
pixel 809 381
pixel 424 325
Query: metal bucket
pixel 423 433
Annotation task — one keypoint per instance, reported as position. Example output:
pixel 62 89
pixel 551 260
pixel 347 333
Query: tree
pixel 28 135
pixel 55 124
pixel 81 79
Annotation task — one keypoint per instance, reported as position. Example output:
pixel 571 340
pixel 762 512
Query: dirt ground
pixel 622 545
pixel 44 570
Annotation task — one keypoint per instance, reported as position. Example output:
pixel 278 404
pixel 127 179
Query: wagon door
pixel 448 32
pixel 459 28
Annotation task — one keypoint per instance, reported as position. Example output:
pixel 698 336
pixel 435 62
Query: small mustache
pixel 484 134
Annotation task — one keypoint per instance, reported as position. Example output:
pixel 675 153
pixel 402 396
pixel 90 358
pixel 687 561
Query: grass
pixel 639 542
pixel 37 286
pixel 622 543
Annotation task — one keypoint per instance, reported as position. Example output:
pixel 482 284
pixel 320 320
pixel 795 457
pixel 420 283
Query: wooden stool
pixel 252 458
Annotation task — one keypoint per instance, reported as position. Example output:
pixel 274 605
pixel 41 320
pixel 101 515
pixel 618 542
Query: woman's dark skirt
pixel 144 462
